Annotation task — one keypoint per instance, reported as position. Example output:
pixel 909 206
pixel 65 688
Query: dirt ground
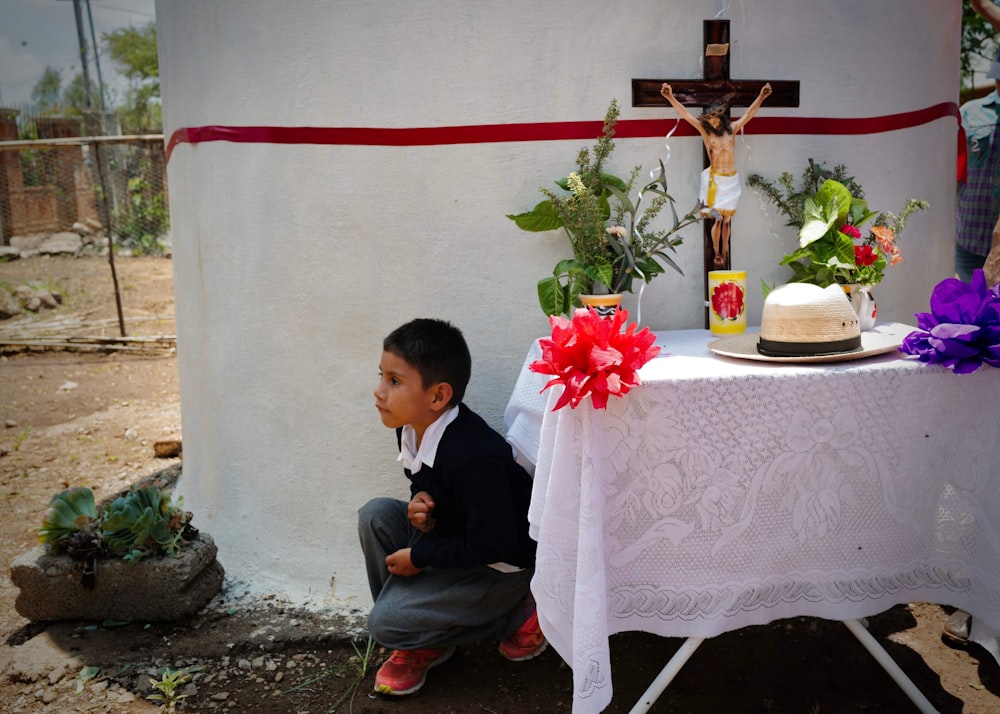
pixel 90 417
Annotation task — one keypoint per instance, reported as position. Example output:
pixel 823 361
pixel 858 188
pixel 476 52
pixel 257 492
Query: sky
pixel 35 34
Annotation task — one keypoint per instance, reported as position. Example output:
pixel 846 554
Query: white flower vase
pixel 863 304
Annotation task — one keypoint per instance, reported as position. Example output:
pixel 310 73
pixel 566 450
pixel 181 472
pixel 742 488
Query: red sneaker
pixel 526 642
pixel 406 670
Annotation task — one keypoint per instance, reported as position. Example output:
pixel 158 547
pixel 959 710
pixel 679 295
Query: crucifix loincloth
pixel 719 192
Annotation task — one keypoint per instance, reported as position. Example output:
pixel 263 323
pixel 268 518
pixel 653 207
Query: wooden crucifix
pixel 716 87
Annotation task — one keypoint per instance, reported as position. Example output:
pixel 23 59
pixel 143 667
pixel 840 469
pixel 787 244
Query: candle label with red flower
pixel 727 306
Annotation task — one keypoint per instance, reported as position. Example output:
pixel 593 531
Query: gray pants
pixel 438 607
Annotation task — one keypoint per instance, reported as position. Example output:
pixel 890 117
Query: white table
pixel 723 493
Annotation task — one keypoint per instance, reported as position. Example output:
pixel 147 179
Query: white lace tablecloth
pixel 723 493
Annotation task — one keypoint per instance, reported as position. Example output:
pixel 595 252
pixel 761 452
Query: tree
pixel 46 91
pixel 978 43
pixel 134 52
pixel 74 96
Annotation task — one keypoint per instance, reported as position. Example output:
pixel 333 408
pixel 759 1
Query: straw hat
pixel 802 322
pixel 801 319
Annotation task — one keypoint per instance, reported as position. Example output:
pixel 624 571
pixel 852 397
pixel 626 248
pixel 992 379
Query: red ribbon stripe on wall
pixel 551 131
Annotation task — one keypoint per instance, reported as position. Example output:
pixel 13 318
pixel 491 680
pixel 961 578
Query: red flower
pixel 592 355
pixel 727 300
pixel 864 255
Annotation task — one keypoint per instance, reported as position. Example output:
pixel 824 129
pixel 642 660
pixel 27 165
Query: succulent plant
pixel 70 513
pixel 142 522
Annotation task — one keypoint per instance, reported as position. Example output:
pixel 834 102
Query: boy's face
pixel 401 398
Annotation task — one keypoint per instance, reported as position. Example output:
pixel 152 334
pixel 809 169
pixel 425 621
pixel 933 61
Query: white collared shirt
pixel 414 458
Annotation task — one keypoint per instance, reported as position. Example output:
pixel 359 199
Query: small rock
pixel 144 684
pixel 48 300
pixel 220 696
pixel 62 243
pixel 57 674
pixel 68 386
pixel 279 676
pixel 167 448
pixel 29 242
pixel 9 306
pixel 244 664
pixel 10 424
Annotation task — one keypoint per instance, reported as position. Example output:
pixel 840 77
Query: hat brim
pixel 879 340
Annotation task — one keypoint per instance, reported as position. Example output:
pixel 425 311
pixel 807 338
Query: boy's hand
pixel 399 563
pixel 420 512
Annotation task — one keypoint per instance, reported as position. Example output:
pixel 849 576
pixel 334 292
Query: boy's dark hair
pixel 437 350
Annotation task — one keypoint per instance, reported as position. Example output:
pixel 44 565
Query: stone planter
pixel 151 590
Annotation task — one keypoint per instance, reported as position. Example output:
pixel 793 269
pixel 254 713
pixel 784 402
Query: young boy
pixel 453 565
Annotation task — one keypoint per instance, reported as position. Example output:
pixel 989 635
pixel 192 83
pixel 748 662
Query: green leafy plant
pixel 145 219
pixel 167 687
pixel 139 523
pixel 20 438
pixel 610 234
pixel 829 210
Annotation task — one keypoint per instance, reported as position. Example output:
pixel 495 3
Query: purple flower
pixel 962 330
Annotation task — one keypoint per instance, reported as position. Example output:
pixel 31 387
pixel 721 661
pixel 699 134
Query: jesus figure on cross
pixel 720 183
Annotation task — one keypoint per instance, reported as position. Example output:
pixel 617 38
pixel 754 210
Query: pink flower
pixel 850 231
pixel 592 355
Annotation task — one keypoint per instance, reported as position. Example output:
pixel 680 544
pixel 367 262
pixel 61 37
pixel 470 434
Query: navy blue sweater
pixel 481 498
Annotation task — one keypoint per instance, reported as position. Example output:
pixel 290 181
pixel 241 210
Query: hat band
pixel 774 348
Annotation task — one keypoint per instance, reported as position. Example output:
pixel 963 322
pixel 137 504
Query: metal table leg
pixel 666 675
pixel 683 654
pixel 890 666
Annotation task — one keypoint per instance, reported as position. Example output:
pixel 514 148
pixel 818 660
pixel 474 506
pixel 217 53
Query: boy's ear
pixel 441 394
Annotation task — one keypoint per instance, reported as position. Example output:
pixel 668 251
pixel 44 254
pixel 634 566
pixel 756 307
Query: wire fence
pixel 111 188
pixel 70 193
